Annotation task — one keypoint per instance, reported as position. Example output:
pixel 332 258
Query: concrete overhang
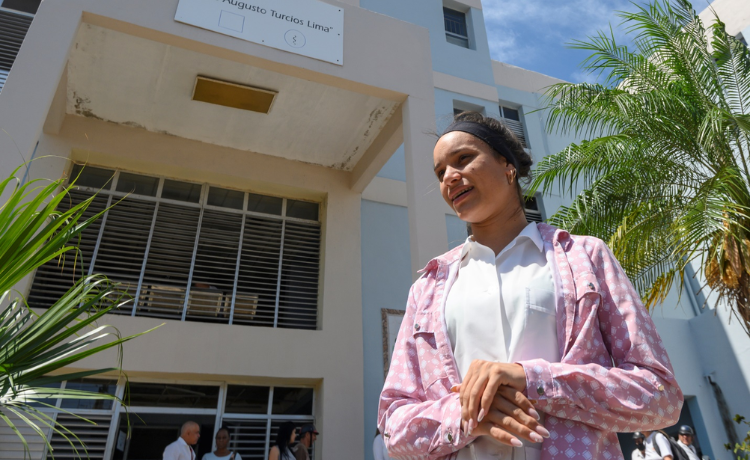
pixel 132 64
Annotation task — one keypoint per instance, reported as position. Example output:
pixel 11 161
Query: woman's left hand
pixel 481 383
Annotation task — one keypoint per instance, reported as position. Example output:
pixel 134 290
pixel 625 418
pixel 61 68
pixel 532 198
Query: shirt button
pixel 449 437
pixel 591 286
pixel 416 326
pixel 661 388
pixel 387 435
pixel 540 390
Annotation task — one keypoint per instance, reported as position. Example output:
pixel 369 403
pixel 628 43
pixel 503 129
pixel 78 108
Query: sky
pixel 533 33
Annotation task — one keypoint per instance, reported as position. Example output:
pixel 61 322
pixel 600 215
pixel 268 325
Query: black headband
pixel 485 134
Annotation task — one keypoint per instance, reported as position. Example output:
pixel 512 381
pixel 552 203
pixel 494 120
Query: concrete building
pixel 275 240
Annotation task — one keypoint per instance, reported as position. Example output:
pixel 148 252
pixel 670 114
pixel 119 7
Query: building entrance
pixel 152 432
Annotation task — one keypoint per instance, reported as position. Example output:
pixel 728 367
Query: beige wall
pixel 394 65
pixel 199 351
pixel 734 13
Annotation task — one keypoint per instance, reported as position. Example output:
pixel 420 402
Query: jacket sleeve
pixel 413 426
pixel 616 375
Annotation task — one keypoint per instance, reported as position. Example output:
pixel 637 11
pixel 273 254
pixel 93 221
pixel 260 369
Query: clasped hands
pixel 492 404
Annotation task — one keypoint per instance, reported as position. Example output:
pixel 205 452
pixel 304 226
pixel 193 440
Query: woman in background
pixel 282 448
pixel 222 452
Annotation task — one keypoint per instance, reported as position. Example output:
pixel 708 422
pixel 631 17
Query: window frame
pixel 452 15
pixel 109 191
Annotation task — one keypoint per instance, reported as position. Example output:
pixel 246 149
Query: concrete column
pixel 427 228
pixel 33 81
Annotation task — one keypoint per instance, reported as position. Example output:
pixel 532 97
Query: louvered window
pixel 13 28
pixel 194 252
pixel 253 416
pixel 512 119
pixel 92 437
pixel 456 31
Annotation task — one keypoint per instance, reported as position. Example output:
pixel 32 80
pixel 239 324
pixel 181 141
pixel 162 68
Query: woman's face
pixel 222 439
pixel 293 436
pixel 473 178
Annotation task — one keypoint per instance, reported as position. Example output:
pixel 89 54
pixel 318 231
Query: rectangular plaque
pixel 306 27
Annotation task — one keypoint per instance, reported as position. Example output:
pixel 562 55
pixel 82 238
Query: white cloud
pixel 518 29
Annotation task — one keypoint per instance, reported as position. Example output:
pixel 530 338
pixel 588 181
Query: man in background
pixel 640 447
pixel 181 449
pixel 307 436
pixel 686 435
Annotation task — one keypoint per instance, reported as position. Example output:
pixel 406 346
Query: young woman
pixel 282 448
pixel 526 342
pixel 222 452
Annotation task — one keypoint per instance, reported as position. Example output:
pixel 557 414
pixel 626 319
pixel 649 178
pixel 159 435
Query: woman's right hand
pixel 511 416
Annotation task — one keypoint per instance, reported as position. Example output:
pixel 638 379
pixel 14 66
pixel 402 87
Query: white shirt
pixel 637 455
pixel 178 450
pixel 212 456
pixel 664 447
pixel 689 450
pixel 378 448
pixel 502 309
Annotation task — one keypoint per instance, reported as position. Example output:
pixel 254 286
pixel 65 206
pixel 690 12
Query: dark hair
pixel 282 439
pixel 523 159
pixel 223 428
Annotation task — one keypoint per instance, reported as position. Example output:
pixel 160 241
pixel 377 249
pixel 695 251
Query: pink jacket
pixel 614 375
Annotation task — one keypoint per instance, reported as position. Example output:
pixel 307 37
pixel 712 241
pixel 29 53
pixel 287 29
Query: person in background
pixel 222 452
pixel 378 447
pixel 657 446
pixel 686 435
pixel 285 437
pixel 640 448
pixel 181 449
pixel 307 436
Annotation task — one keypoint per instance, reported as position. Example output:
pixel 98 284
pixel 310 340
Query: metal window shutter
pixel 215 267
pixel 13 29
pixel 248 437
pixel 517 128
pixel 533 216
pixel 165 278
pixel 92 436
pixel 54 278
pixel 298 298
pixel 11 447
pixel 259 272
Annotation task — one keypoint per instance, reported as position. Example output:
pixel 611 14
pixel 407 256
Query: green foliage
pixel 742 451
pixel 664 167
pixel 36 227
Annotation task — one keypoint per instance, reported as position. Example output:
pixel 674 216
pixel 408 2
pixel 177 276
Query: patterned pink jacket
pixel 614 375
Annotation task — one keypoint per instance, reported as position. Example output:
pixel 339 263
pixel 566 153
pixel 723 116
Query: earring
pixel 511 177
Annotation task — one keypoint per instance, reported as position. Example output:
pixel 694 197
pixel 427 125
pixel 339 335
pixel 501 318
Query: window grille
pixel 456 31
pixel 260 411
pixel 533 213
pixel 512 119
pixel 194 252
pixel 11 447
pixel 92 436
pixel 13 28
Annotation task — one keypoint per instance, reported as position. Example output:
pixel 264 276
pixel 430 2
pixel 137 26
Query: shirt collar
pixel 182 441
pixel 530 232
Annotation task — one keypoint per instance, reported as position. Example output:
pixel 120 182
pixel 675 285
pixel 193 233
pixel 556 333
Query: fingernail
pixel 471 425
pixel 464 427
pixel 515 442
pixel 543 431
pixel 455 388
pixel 534 414
pixel 481 415
pixel 535 437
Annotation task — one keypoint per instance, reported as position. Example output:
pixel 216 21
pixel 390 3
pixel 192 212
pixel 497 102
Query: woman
pixel 526 342
pixel 281 449
pixel 221 452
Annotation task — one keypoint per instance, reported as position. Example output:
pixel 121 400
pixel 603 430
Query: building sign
pixel 307 27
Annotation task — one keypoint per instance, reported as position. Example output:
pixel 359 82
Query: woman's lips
pixel 462 197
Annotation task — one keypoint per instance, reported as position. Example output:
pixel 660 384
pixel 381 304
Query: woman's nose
pixel 451 175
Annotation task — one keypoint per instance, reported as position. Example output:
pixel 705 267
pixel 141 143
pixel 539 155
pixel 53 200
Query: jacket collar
pixel 550 235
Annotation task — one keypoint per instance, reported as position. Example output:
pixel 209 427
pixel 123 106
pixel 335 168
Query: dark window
pixel 168 395
pixel 225 198
pixel 26 6
pixel 302 209
pixel 108 387
pixel 13 28
pixel 512 119
pixel 292 401
pixel 137 184
pixel 90 176
pixel 455 27
pixel 182 191
pixel 246 400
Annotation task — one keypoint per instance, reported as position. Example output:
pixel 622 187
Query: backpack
pixel 677 452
